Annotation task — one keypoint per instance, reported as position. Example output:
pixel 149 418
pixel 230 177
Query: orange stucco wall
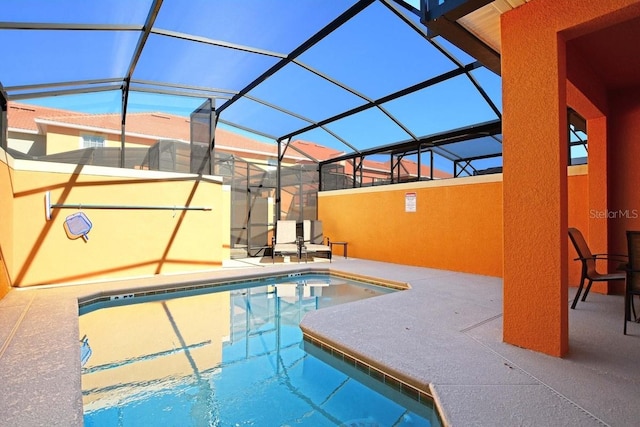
pixel 624 152
pixel 457 224
pixel 122 243
pixel 534 82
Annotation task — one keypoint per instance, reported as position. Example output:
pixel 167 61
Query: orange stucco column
pixel 598 200
pixel 587 95
pixel 534 184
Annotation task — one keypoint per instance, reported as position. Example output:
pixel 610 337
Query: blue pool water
pixel 231 357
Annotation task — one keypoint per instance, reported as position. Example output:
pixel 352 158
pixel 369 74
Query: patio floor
pixel 445 331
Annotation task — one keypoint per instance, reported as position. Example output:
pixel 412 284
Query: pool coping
pixel 168 289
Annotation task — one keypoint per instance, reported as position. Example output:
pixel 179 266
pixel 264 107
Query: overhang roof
pixel 349 75
pixel 605 46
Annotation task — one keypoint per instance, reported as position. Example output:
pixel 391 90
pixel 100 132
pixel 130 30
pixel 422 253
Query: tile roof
pixel 156 125
pixel 23 116
pixel 153 125
pixel 318 152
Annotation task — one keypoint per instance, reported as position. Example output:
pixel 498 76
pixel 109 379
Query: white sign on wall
pixel 410 202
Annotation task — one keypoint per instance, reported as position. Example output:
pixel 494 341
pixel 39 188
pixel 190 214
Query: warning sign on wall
pixel 410 202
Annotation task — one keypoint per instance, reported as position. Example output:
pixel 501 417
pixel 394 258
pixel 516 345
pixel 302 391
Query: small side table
pixel 343 244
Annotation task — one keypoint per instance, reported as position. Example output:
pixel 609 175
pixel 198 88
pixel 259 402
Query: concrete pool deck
pixel 446 331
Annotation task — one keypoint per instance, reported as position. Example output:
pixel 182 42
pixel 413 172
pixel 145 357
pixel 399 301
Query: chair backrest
pixel 306 230
pixel 312 232
pixel 583 250
pixel 633 248
pixel 317 236
pixel 286 231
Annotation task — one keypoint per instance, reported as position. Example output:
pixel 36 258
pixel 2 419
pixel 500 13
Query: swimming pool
pixel 231 357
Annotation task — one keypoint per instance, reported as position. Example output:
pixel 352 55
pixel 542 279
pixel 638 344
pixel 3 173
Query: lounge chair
pixel 632 287
pixel 588 260
pixel 285 242
pixel 313 238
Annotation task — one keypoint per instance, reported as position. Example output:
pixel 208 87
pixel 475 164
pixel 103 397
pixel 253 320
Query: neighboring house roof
pixel 320 152
pixel 23 116
pixel 233 142
pixel 408 168
pixel 156 125
pixel 146 125
pixel 316 151
pixel 152 125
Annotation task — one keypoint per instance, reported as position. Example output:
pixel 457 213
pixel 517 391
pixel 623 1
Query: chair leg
pixel 575 299
pixel 627 312
pixel 586 290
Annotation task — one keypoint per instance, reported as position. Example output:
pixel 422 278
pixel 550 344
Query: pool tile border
pixel 400 383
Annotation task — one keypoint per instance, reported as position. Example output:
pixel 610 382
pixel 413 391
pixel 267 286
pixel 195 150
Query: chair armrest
pixel 603 257
pixel 619 258
pixel 598 257
pixel 610 256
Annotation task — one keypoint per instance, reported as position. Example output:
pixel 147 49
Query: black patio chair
pixel 588 260
pixel 632 287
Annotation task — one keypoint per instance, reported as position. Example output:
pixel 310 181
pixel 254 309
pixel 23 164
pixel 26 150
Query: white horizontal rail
pixel 48 206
